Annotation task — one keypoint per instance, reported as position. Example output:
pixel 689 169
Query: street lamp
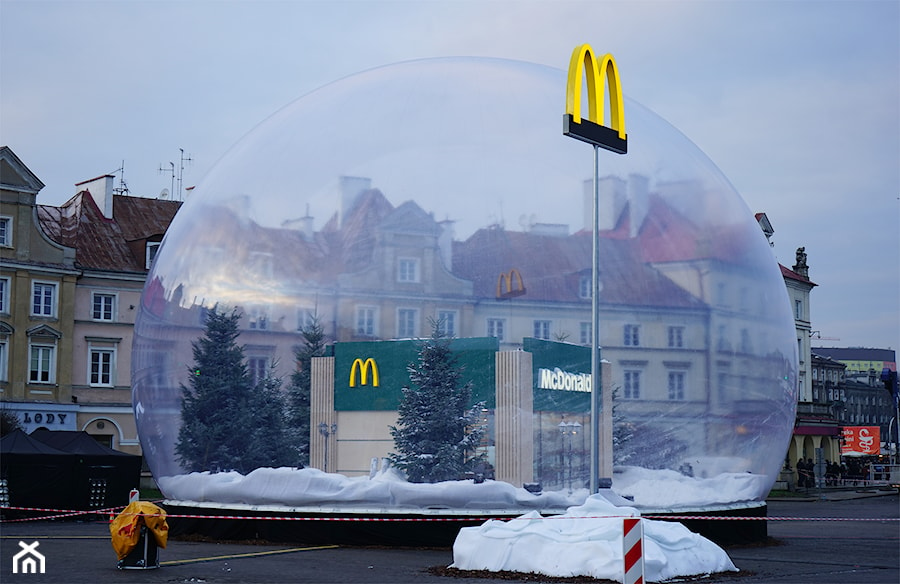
pixel 568 431
pixel 326 431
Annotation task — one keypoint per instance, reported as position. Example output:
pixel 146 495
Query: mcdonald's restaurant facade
pixel 525 395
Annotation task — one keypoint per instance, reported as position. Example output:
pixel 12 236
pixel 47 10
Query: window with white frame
pixel 676 337
pixel 4 295
pixel 723 344
pixel 258 318
pixel 798 309
pixel 676 385
pixel 406 323
pixel 258 369
pixel 6 231
pixel 43 299
pixel 631 336
pixel 721 294
pixel 103 306
pixel 365 321
pixel 584 333
pixel 261 264
pixel 446 322
pixel 151 248
pixel 408 270
pixel 746 345
pixel 542 329
pixel 496 327
pixel 585 286
pixel 42 363
pixel 102 366
pixel 631 384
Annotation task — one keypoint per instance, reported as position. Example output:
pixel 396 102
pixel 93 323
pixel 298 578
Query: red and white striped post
pixel 633 550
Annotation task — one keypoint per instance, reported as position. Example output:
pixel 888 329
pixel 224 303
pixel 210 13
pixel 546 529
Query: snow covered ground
pixel 586 541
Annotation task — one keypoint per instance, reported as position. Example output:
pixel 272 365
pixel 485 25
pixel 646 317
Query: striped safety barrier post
pixel 633 550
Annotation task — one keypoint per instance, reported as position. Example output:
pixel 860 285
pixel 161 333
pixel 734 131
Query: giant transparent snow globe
pixel 381 298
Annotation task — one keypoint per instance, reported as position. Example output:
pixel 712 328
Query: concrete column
pixel 514 418
pixel 321 410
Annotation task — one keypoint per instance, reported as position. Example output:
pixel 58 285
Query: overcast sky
pixel 797 102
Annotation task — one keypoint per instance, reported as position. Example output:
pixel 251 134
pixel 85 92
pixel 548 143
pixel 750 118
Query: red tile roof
pixel 101 243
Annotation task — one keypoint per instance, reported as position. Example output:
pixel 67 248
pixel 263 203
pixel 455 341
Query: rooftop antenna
pixel 181 173
pixel 171 170
pixel 122 189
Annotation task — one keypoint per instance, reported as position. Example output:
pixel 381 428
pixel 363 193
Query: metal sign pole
pixel 591 130
pixel 595 331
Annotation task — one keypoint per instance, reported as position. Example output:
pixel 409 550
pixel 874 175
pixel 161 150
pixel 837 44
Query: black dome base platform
pixel 428 528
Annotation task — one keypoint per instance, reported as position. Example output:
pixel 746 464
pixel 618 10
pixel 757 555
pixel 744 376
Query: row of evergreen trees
pixel 228 423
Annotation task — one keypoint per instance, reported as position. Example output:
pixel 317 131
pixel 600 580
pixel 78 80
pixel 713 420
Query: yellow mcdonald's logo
pixel 510 284
pixel 363 367
pixel 592 130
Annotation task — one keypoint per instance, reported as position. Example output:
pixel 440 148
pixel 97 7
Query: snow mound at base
pixel 304 487
pixel 291 487
pixel 586 541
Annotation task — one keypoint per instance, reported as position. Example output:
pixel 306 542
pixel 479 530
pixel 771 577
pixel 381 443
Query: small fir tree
pixel 299 391
pixel 267 442
pixel 437 431
pixel 226 422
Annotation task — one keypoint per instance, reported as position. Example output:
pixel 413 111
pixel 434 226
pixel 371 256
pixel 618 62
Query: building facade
pixel 71 281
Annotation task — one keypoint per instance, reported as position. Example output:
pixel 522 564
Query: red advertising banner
pixel 861 440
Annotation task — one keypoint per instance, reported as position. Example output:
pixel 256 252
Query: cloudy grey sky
pixel 797 102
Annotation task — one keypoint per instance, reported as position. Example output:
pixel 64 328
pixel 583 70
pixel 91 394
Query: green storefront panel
pixel 362 364
pixel 568 365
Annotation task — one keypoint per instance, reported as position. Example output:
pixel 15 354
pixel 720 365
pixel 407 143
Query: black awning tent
pixel 102 477
pixel 65 470
pixel 37 475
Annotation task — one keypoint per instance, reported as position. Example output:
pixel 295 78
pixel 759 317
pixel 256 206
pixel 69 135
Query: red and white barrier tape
pixel 61 513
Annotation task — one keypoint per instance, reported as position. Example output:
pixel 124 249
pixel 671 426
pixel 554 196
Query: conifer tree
pixel 299 391
pixel 227 423
pixel 437 431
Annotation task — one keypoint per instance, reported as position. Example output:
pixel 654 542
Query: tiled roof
pixel 101 243
pixel 140 218
pixel 792 275
pixel 552 267
pixel 856 354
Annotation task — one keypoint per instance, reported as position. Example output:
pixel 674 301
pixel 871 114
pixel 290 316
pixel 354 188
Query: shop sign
pixel 558 379
pixel 45 418
pixel 597 73
pixel 360 370
pixel 861 440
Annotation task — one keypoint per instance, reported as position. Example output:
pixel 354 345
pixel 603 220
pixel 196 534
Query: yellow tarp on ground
pixel 126 527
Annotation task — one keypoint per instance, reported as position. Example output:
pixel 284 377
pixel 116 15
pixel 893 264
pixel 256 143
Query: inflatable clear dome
pixel 381 298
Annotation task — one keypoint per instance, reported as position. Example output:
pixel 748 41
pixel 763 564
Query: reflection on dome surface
pixel 443 191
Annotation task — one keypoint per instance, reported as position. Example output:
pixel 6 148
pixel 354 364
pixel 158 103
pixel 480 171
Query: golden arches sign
pixel 510 284
pixel 599 74
pixel 363 368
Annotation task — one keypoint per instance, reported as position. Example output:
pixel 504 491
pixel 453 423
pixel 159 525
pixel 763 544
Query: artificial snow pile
pixel 586 541
pixel 291 487
pixel 660 489
pixel 305 487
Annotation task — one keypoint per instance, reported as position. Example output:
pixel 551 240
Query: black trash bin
pixel 138 532
pixel 144 556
